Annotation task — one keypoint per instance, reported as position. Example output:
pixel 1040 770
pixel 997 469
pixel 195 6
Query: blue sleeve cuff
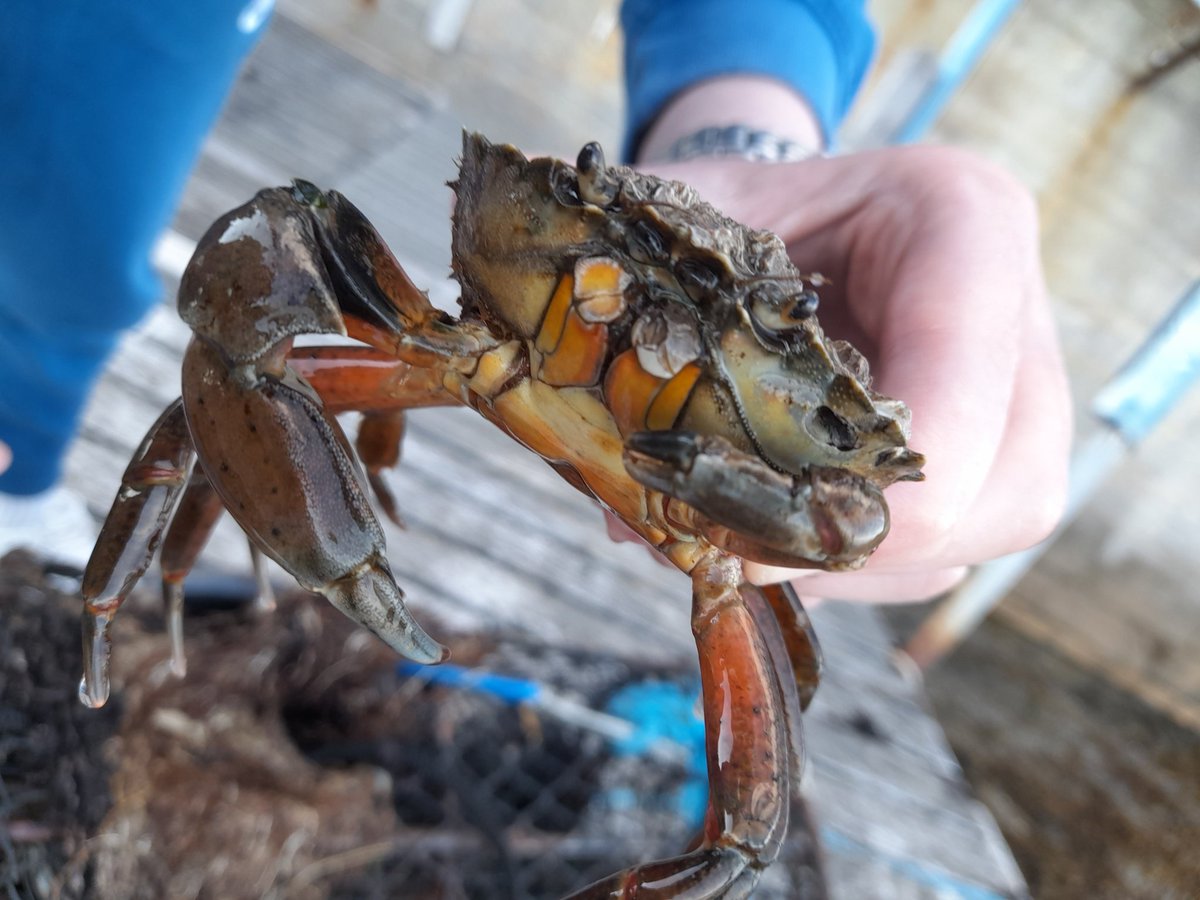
pixel 818 47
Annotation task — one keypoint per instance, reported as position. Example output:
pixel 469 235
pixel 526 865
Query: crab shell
pixel 702 306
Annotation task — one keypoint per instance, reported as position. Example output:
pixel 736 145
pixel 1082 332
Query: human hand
pixel 933 258
pixel 932 255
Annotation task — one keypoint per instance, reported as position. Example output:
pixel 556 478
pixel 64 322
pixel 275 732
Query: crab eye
pixel 833 429
pixel 804 305
pixel 596 183
pixel 647 244
pixel 774 310
pixel 696 277
pixel 590 159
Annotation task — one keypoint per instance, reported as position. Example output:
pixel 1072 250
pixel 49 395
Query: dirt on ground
pixel 54 775
pixel 1097 793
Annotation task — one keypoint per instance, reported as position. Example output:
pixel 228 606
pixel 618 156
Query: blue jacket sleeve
pixel 820 47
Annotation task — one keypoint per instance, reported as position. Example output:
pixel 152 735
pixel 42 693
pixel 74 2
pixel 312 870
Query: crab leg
pixel 382 388
pixel 264 600
pixel 295 491
pixel 293 261
pixel 347 378
pixel 192 524
pixel 364 379
pixel 199 509
pixel 381 305
pixel 748 736
pixel 799 639
pixel 378 446
pixel 129 537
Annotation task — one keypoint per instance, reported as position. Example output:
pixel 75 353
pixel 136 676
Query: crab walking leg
pixel 286 473
pixel 379 302
pixel 364 379
pixel 264 599
pixel 378 446
pixel 747 735
pixel 799 639
pixel 129 537
pixel 199 509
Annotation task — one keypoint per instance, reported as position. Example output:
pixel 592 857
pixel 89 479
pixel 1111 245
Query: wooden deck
pixel 494 538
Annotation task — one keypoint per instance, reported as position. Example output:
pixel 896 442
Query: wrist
pixel 749 100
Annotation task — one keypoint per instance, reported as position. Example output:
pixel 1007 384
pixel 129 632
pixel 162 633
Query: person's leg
pixel 104 105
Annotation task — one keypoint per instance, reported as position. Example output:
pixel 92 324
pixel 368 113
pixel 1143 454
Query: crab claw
pixel 825 518
pixel 284 469
pixel 371 597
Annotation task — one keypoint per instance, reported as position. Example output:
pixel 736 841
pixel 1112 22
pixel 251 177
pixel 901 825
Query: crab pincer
pixel 272 451
pixel 825 518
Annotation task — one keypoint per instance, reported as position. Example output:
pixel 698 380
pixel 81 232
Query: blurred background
pixel 1075 710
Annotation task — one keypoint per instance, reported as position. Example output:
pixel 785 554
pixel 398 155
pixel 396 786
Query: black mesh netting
pixel 294 762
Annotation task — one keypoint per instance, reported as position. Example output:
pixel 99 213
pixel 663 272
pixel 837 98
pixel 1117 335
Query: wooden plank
pixel 896 818
pixel 314 112
pixel 541 75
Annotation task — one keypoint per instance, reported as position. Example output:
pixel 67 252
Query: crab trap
pixel 298 760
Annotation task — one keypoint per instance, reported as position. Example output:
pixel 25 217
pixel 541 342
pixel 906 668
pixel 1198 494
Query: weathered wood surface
pixel 494 538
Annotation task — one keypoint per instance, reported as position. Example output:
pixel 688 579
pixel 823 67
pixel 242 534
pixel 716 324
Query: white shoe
pixel 54 524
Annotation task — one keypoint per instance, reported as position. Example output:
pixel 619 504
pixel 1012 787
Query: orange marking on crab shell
pixel 667 404
pixel 600 289
pixel 598 276
pixel 555 318
pixel 579 356
pixel 629 391
pixel 495 368
pixel 604 308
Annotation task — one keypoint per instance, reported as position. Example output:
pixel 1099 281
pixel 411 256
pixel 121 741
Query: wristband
pixel 738 141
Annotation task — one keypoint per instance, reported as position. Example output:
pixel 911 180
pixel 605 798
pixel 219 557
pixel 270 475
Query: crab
pixel 663 359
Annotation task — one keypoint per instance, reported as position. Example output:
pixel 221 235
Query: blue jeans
pixel 103 107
